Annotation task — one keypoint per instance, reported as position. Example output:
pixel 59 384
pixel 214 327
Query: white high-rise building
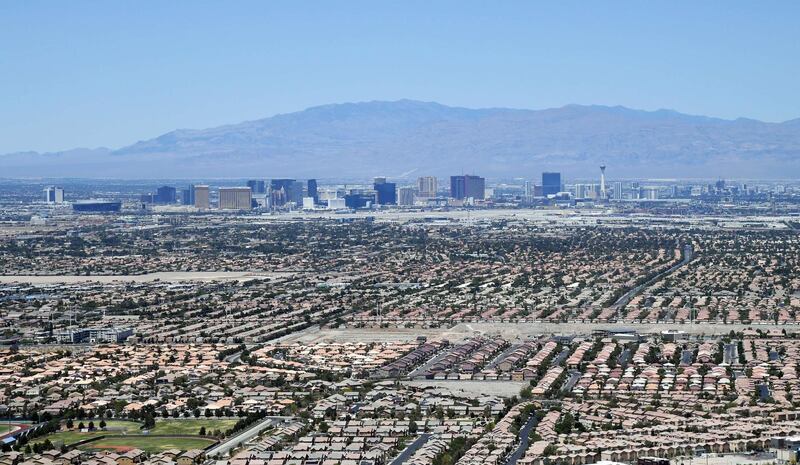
pixel 54 194
pixel 618 192
pixel 336 204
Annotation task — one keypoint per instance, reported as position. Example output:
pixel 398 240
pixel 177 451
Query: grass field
pixel 135 439
pixel 147 444
pixel 117 426
pixel 73 436
pixel 5 429
pixel 192 426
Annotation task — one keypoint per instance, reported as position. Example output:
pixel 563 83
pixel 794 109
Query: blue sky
pixel 108 73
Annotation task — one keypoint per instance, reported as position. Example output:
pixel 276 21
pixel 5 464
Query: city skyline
pixel 287 195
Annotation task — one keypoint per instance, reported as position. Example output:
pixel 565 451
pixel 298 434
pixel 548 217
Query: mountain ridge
pixel 378 137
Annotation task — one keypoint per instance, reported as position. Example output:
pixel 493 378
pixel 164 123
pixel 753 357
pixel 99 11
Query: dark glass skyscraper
pixel 282 191
pixel 257 186
pixel 466 186
pixel 96 206
pixel 311 187
pixel 551 183
pixel 189 200
pixel 358 200
pixel 387 191
pixel 166 195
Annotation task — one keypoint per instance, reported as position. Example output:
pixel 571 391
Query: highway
pixel 246 435
pixel 688 254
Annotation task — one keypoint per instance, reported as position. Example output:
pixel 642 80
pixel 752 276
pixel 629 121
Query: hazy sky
pixel 108 73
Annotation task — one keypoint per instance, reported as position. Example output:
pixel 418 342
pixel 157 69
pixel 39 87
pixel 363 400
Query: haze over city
pixel 399 233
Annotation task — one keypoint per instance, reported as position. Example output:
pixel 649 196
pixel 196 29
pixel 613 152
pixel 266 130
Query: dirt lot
pixel 474 388
pixel 168 276
pixel 314 334
pixel 510 331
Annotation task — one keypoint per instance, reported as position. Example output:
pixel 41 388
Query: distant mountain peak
pixel 361 138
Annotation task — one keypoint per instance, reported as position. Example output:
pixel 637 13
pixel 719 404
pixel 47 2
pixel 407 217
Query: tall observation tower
pixel 602 181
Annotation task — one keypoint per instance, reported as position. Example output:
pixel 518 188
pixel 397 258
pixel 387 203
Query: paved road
pixel 688 253
pixel 730 355
pixel 763 391
pixel 574 376
pixel 419 372
pixel 559 359
pixel 225 447
pixel 233 357
pixel 524 439
pixel 411 449
pixel 502 355
pixel 623 358
pixel 686 357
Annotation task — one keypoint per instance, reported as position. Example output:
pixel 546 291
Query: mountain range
pixel 407 138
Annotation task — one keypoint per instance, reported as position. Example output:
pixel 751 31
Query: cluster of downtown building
pixel 427 191
pixel 275 193
pixel 291 193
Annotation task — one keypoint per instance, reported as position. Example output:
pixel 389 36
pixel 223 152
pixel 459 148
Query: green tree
pixel 412 427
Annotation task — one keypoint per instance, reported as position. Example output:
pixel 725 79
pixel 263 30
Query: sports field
pixel 129 435
pixel 147 443
pixel 68 437
pixel 192 426
pixel 5 428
